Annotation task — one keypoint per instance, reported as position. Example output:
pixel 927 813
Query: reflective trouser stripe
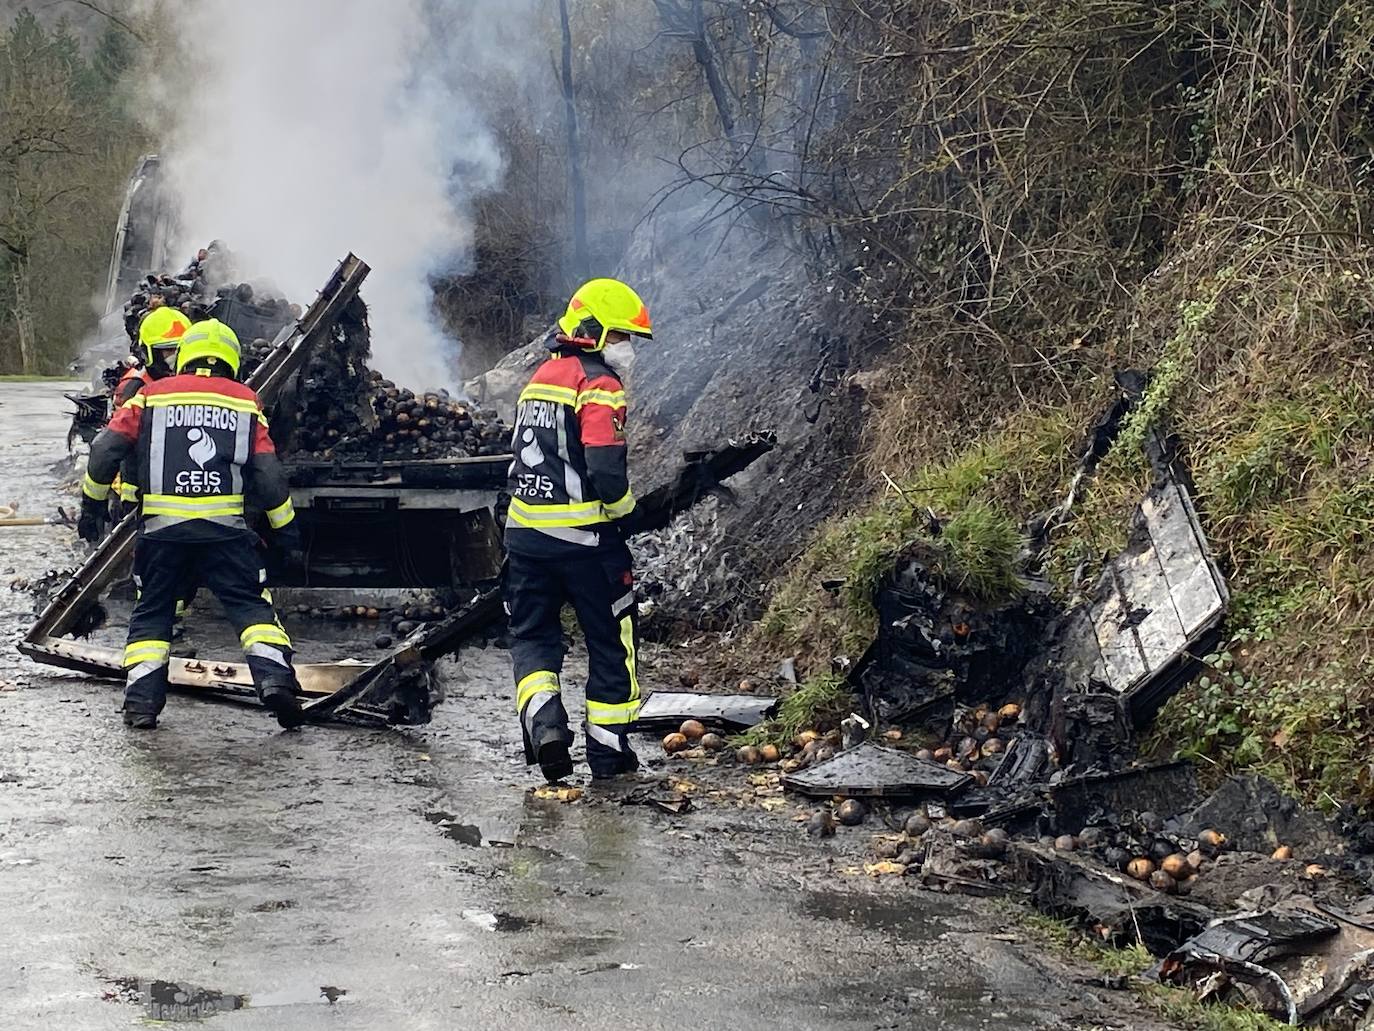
pixel 268 652
pixel 128 491
pixel 627 640
pixel 94 491
pixel 606 737
pixel 136 652
pixel 281 515
pixel 539 681
pixel 264 633
pixel 133 674
pixel 607 714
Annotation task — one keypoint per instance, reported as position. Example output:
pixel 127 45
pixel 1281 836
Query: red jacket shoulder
pixel 184 383
pixel 560 371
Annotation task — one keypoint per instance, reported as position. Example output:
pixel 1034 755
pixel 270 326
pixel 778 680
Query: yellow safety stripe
pixel 549 392
pixel 128 492
pixel 623 507
pixel 267 596
pixel 93 490
pixel 196 501
pixel 627 641
pixel 193 508
pixel 606 714
pixel 137 401
pixel 181 607
pixel 582 513
pixel 609 398
pixel 529 686
pixel 182 514
pixel 281 515
pixel 238 404
pixel 264 633
pixel 146 651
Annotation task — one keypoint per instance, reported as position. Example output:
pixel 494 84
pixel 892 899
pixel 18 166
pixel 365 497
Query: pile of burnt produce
pixel 194 290
pixel 349 411
pixel 393 624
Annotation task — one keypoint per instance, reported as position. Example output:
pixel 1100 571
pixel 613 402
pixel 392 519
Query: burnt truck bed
pixel 383 528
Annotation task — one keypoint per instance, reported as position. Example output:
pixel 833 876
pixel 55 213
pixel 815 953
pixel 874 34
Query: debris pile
pixel 998 745
pixel 346 410
pixel 342 408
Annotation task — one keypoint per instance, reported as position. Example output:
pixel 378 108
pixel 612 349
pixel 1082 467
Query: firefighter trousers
pixel 600 589
pixel 234 573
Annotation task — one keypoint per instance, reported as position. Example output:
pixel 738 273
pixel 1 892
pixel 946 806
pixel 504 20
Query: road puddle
pixel 171 1001
pixel 178 1002
pixel 469 834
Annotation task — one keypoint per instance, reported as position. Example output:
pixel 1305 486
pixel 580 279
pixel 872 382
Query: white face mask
pixel 623 354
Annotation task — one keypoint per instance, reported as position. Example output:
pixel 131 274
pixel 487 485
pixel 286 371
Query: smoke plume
pixel 298 130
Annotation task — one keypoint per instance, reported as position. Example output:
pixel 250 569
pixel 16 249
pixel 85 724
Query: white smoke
pixel 299 130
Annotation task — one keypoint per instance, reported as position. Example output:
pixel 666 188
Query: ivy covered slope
pixel 1082 187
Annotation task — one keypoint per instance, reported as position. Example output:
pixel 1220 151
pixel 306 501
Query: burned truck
pixel 396 493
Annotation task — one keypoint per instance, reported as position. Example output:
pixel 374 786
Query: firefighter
pixel 570 510
pixel 201 444
pixel 159 335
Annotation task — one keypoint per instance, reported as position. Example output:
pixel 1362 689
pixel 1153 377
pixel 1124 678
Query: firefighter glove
pixel 91 525
pixel 287 540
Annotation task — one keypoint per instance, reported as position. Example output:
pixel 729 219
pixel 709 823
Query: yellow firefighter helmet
pixel 162 328
pixel 602 305
pixel 210 339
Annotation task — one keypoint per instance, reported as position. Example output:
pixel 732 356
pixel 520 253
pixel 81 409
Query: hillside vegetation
pixel 1050 192
pixel 67 145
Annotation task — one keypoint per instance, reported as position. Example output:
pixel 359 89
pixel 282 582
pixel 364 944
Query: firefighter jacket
pixel 133 380
pixel 200 443
pixel 569 482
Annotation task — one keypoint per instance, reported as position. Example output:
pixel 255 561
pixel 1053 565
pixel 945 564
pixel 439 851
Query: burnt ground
pixel 346 878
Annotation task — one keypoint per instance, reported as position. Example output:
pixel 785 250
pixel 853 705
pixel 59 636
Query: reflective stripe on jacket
pixel 200 444
pixel 133 380
pixel 569 477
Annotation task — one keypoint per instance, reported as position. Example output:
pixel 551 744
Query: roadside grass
pixel 1286 489
pixel 1172 1004
pixel 824 605
pixel 823 699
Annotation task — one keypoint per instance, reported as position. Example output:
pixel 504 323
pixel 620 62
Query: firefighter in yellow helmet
pixel 201 444
pixel 159 336
pixel 570 511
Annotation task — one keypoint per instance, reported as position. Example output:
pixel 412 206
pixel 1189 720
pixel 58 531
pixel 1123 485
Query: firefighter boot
pixel 544 723
pixel 140 720
pixel 278 696
pixel 609 753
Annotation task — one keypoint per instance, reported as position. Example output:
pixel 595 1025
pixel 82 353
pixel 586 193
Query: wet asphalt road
pixel 343 878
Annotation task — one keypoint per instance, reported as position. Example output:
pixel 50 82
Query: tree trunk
pixel 23 316
pixel 576 181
